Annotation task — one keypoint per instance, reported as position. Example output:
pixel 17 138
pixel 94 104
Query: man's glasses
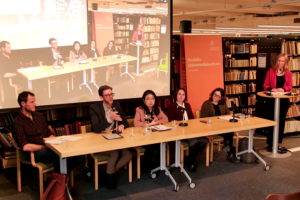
pixel 109 95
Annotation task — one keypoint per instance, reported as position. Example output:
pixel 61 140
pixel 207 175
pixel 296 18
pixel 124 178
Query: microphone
pixel 115 110
pixel 234 108
pixel 181 108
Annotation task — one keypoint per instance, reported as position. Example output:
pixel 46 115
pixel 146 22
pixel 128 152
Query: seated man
pixel 104 118
pixel 29 129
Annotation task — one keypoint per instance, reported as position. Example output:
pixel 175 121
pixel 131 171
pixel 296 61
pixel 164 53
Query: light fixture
pixel 161 8
pixel 278 26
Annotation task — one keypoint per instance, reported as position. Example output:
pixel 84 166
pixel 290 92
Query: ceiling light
pixel 278 26
pixel 161 8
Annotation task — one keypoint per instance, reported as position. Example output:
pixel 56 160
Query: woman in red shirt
pixel 278 79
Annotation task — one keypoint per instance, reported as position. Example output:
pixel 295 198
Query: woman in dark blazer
pixel 93 51
pixel 216 106
pixel 196 145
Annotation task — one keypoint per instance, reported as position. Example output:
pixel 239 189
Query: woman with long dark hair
pixel 93 51
pixel 76 53
pixel 196 145
pixel 216 106
pixel 150 107
pixel 110 49
pixel 278 79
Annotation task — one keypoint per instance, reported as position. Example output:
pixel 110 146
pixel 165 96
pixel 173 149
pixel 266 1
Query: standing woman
pixel 278 79
pixel 138 34
pixel 157 117
pixel 76 53
pixel 93 51
pixel 196 145
pixel 216 106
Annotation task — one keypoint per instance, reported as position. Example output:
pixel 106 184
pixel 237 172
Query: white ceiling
pixel 209 14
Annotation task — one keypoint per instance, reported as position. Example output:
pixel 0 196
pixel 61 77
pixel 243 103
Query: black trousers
pixel 149 155
pixel 284 107
pixel 228 137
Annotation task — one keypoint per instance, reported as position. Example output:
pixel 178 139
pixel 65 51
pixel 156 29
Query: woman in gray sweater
pixel 216 106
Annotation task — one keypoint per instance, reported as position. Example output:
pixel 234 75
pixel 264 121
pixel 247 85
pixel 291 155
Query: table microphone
pixel 234 108
pixel 116 121
pixel 184 110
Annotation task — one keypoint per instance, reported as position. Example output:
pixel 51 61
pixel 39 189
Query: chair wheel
pixel 192 185
pixel 153 175
pixel 238 157
pixel 176 188
pixel 266 168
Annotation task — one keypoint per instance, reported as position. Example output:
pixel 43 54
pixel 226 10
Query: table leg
pixel 63 170
pixel 250 150
pixel 85 83
pixel 138 62
pixel 126 72
pixel 176 164
pixel 93 79
pixel 29 85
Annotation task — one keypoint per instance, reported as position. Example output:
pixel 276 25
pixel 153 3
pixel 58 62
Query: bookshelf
pixel 175 64
pixel 240 68
pixel 122 32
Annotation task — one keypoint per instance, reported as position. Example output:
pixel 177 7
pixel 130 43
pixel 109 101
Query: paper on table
pixel 279 92
pixel 227 117
pixel 57 140
pixel 112 136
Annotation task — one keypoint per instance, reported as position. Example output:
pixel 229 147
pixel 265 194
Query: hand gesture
pixel 115 116
pixel 274 90
pixel 280 90
pixel 121 128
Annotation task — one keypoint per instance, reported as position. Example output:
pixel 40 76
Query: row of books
pixel 150 20
pixel 6 140
pixel 122 34
pixel 252 87
pixel 121 27
pixel 147 52
pixel 235 75
pixel 70 129
pixel 252 100
pixel 152 36
pixel 175 83
pixel 122 19
pixel 149 58
pixel 7 119
pixel 236 101
pixel 290 47
pixel 241 48
pixel 176 66
pixel 151 28
pixel 294 111
pixel 65 113
pixel 235 88
pixel 296 79
pixel 250 111
pixel 239 63
pixel 121 40
pixel 296 98
pixel 122 47
pixel 294 64
pixel 252 75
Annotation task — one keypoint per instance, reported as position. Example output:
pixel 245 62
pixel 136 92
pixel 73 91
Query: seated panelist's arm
pixel 171 112
pixel 99 124
pixel 205 111
pixel 139 120
pixel 162 118
pixel 83 56
pixel 72 57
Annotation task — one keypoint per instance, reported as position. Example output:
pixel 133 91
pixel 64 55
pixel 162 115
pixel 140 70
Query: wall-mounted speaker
pixel 95 6
pixel 185 26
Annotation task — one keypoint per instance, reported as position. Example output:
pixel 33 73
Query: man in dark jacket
pixel 108 115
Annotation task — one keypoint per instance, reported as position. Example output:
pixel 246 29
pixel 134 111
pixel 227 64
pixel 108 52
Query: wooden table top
pixel 281 96
pixel 34 73
pixel 93 143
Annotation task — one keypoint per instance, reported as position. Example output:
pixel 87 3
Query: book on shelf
pixel 70 129
pixel 241 48
pixel 296 98
pixel 293 64
pixel 151 28
pixel 239 63
pixel 252 75
pixel 253 48
pixel 176 66
pixel 150 20
pixel 295 78
pixel 6 140
pixel 253 61
pixel 293 111
pixel 122 19
pixel 290 47
pixel 152 36
pixel 236 100
pixel 252 87
pixel 121 33
pixel 250 111
pixel 235 75
pixel 252 100
pixel 118 27
pixel 235 88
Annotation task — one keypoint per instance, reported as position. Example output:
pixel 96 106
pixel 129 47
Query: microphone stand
pixel 183 123
pixel 116 121
pixel 233 120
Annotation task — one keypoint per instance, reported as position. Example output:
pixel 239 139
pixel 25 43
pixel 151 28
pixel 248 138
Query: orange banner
pixel 204 67
pixel 104 29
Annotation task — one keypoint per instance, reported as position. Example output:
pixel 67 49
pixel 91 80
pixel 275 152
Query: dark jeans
pixel 284 107
pixel 48 156
pixel 148 156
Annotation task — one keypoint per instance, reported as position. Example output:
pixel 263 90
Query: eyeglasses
pixel 217 96
pixel 109 95
pixel 149 99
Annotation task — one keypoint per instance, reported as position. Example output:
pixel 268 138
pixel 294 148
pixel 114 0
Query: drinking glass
pixel 248 117
pixel 242 117
pixel 174 123
pixel 131 131
pixel 209 121
pixel 64 143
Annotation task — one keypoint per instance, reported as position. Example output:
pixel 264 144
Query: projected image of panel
pixel 30 23
pixel 128 48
